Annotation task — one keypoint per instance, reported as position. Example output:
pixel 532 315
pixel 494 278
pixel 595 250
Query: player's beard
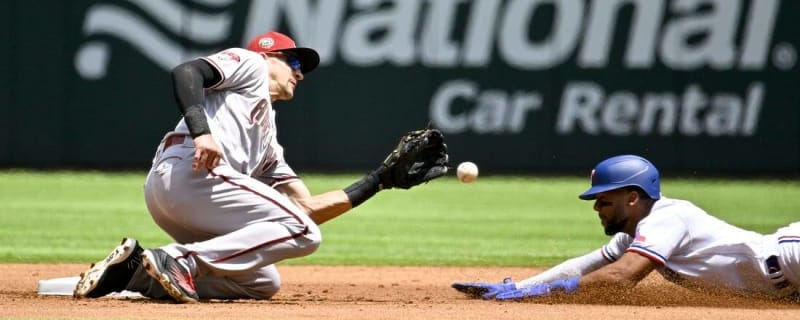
pixel 612 227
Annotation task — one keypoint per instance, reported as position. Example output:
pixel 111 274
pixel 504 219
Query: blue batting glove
pixel 538 290
pixel 569 285
pixel 485 290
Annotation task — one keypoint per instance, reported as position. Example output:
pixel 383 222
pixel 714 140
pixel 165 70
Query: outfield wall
pixel 517 85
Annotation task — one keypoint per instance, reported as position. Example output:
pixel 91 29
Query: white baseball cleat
pixel 111 274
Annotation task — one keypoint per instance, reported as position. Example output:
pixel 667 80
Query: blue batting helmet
pixel 624 171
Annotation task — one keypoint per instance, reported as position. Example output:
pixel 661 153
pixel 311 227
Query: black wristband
pixel 363 189
pixel 196 120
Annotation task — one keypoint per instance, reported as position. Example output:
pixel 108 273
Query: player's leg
pixel 234 225
pixel 789 252
pixel 260 284
pixel 236 222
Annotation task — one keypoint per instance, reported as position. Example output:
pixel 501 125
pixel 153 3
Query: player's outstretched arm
pixel 570 268
pixel 573 267
pixel 321 207
pixel 419 157
pixel 623 274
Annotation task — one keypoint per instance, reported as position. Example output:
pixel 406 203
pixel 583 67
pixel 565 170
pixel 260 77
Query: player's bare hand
pixel 207 153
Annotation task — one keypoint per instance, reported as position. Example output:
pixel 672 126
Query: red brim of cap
pixel 309 58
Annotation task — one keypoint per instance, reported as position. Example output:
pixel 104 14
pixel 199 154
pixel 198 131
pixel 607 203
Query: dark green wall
pixel 112 113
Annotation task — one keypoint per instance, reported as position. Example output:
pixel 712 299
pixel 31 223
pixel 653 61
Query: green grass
pixel 501 220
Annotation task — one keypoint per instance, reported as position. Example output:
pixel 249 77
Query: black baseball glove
pixel 419 157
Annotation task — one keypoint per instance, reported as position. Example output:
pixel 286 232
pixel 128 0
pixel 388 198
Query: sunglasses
pixel 294 63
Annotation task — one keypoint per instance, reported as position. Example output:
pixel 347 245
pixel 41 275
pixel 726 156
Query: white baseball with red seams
pixel 467 172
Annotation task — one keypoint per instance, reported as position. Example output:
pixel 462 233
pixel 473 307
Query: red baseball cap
pixel 278 42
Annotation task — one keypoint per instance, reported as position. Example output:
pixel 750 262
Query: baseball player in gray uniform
pixel 221 188
pixel 650 232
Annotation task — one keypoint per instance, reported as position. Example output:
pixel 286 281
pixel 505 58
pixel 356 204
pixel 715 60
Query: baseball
pixel 467 172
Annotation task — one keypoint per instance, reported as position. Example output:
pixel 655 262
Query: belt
pixel 174 140
pixel 774 268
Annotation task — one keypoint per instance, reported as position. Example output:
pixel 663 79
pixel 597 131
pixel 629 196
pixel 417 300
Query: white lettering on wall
pixel 92 57
pixel 513 41
pixel 425 32
pixel 640 51
pixel 586 107
pixel 487 111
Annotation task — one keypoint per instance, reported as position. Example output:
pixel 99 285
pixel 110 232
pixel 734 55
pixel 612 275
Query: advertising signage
pixel 516 85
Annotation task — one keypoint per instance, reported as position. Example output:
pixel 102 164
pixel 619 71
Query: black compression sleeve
pixel 363 189
pixel 189 81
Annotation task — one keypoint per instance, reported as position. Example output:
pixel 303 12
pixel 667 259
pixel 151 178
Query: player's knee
pixel 265 291
pixel 312 240
pixel 264 284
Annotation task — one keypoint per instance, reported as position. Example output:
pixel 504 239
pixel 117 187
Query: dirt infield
pixel 409 293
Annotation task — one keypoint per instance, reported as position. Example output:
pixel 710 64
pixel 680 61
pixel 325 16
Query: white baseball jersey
pixel 240 114
pixel 695 249
pixel 229 223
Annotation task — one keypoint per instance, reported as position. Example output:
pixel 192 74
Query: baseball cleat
pixel 111 274
pixel 175 279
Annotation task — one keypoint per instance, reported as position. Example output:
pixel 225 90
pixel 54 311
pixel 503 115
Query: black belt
pixel 774 267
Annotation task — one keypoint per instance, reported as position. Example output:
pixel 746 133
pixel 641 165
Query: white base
pixel 65 286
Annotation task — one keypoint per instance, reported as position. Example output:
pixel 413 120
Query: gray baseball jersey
pixel 229 223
